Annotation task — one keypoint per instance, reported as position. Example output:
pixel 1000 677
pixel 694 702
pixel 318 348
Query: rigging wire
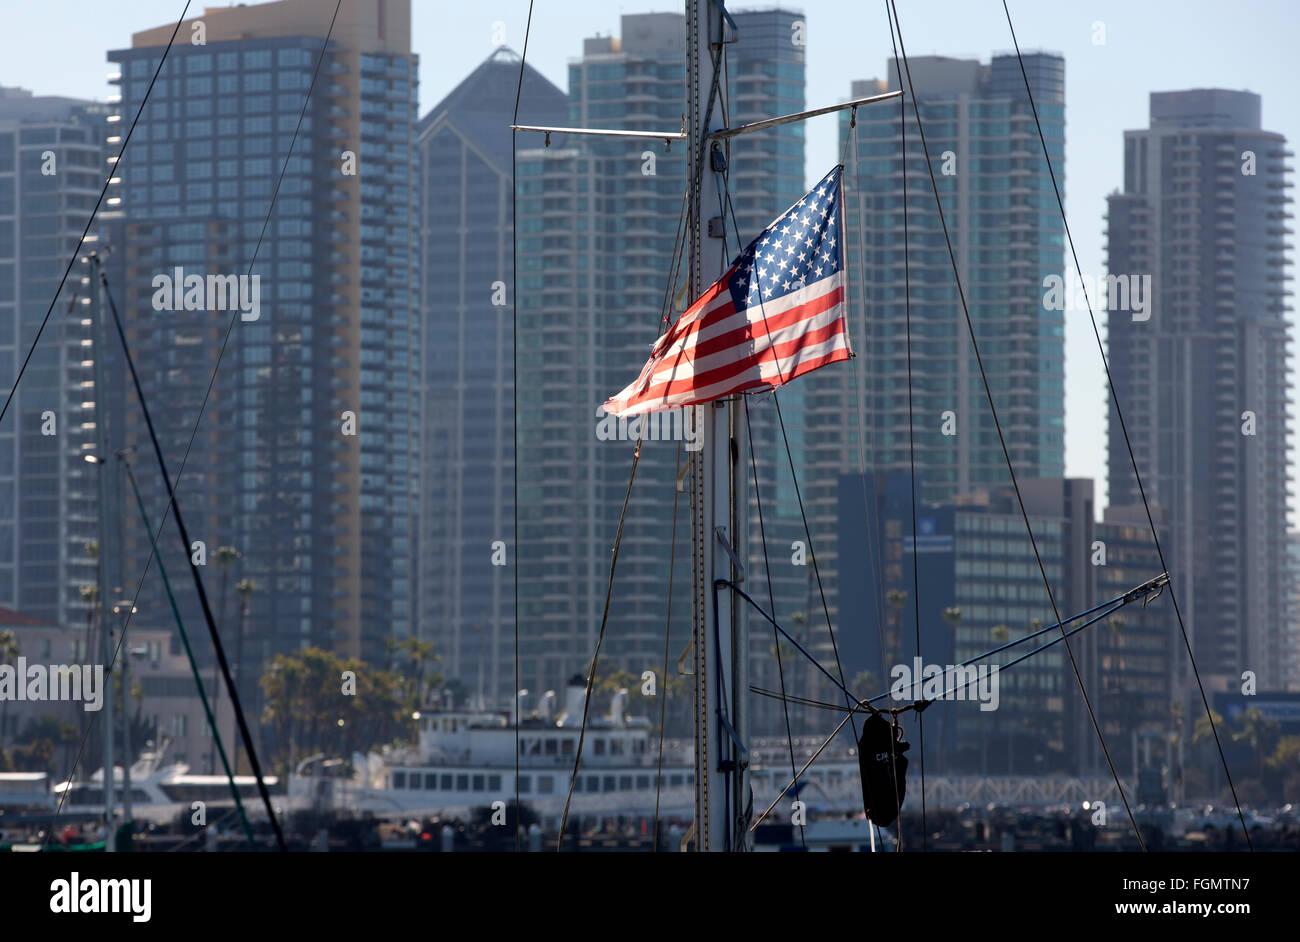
pixel 219 648
pixel 970 326
pixel 600 638
pixel 117 167
pixel 875 556
pixel 1114 397
pixel 771 600
pixel 1143 591
pixel 911 426
pixel 668 621
pixel 679 472
pixel 917 705
pixel 514 388
pixel 189 652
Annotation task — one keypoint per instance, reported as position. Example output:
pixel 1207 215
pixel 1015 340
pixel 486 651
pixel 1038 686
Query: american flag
pixel 776 314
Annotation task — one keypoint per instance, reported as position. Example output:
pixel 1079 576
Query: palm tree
pixel 1260 734
pixel 9 651
pixel 1001 634
pixel 225 556
pixel 245 588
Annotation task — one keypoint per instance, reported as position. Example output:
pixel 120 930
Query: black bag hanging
pixel 880 756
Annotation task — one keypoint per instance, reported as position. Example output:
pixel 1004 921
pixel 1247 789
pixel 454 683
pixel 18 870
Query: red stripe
pixel 748 330
pixel 835 356
pixel 772 354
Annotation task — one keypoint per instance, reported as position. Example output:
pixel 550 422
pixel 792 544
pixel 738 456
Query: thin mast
pixel 720 645
pixel 106 551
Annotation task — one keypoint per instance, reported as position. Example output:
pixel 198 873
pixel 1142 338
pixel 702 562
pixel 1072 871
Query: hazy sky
pixel 58 47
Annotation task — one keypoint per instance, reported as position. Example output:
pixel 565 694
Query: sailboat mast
pixel 107 552
pixel 717 479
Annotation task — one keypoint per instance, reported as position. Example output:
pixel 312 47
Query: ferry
pixel 465 759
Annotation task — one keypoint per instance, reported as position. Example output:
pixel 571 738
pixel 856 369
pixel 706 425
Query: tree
pixel 614 681
pixel 42 736
pixel 225 557
pixel 9 651
pixel 244 588
pixel 418 684
pixel 1202 731
pixel 1260 734
pixel 308 712
pixel 1001 634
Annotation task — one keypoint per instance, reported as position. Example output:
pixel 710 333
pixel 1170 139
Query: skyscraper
pixel 467 604
pixel 596 226
pixel 1007 236
pixel 51 171
pixel 1201 374
pixel 305 460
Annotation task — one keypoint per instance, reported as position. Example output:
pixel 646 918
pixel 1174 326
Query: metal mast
pixel 107 551
pixel 718 479
pixel 720 641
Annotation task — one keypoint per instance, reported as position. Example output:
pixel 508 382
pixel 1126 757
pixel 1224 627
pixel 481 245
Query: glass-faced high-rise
pixel 1007 237
pixel 305 456
pixel 51 171
pixel 466 605
pixel 596 222
pixel 1201 374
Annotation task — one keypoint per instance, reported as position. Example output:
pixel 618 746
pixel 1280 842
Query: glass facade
pixel 305 460
pixel 51 170
pixel 597 221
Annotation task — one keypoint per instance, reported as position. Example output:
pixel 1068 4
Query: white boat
pixel 465 759
pixel 161 792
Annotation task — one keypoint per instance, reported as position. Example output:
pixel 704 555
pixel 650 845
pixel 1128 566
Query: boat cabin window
pixel 525 784
pixel 478 782
pixel 593 783
pixel 567 747
pixel 446 783
pixel 609 783
pixel 430 782
pixel 599 746
pixel 545 784
pixel 616 747
pixel 399 779
pixel 552 746
pixel 494 783
pixel 462 783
